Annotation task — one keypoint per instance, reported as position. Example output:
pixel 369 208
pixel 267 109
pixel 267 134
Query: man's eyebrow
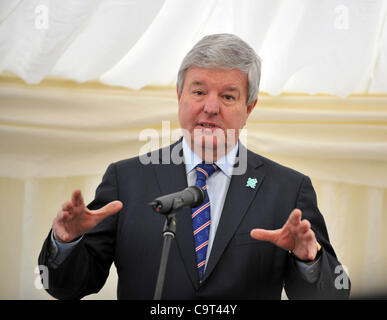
pixel 231 88
pixel 197 83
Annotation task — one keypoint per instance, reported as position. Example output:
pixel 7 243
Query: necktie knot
pixel 204 171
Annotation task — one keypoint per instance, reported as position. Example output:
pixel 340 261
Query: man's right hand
pixel 75 218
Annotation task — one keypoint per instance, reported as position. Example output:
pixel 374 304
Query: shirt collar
pixel 226 163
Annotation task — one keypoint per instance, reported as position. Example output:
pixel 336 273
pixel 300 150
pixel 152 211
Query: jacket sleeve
pixel 332 282
pixel 86 268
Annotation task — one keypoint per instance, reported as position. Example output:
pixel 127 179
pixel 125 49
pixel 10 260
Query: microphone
pixel 190 197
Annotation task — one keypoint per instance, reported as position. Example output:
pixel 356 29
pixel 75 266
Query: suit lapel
pixel 173 178
pixel 238 200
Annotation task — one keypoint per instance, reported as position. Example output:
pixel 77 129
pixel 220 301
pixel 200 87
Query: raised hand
pixel 296 235
pixel 75 218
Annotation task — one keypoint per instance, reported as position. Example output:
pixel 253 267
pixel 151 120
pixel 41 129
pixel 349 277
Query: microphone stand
pixel 169 232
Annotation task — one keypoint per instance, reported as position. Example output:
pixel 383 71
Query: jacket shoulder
pixel 156 157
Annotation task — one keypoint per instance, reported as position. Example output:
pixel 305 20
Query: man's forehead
pixel 231 79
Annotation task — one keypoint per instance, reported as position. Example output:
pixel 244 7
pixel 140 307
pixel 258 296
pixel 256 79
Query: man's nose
pixel 212 104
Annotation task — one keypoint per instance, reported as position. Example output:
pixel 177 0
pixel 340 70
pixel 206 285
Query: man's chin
pixel 209 147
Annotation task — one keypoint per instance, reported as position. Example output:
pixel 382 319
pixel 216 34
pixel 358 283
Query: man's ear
pixel 178 94
pixel 251 106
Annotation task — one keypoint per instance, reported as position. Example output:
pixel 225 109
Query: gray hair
pixel 224 51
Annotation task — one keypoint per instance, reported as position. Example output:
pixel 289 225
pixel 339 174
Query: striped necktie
pixel 201 219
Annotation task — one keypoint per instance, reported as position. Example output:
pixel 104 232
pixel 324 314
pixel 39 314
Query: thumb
pixel 111 208
pixel 264 235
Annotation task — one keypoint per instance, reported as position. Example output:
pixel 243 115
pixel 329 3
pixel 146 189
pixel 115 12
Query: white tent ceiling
pixel 336 47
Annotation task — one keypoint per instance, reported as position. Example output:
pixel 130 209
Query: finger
pixel 111 208
pixel 61 235
pixel 264 235
pixel 307 244
pixel 295 216
pixel 67 206
pixel 59 226
pixel 311 238
pixel 77 198
pixel 304 226
pixel 62 217
pixel 64 236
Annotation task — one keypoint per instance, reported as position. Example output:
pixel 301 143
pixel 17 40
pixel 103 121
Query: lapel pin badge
pixel 251 183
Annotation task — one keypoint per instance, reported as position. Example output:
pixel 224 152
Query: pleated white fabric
pixel 334 46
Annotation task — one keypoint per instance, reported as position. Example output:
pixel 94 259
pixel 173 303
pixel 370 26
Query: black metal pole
pixel 168 234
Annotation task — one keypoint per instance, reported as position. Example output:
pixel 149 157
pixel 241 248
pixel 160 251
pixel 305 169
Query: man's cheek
pixel 184 119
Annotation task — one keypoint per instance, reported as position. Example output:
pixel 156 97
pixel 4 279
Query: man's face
pixel 212 102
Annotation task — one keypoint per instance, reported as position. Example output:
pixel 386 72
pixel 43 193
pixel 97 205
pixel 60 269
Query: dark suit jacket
pixel 239 267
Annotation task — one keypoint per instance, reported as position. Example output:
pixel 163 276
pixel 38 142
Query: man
pixel 259 229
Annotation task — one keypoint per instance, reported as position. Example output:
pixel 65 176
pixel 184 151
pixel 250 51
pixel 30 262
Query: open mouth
pixel 207 125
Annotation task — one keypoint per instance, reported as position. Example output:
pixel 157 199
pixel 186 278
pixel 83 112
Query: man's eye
pixel 198 92
pixel 228 97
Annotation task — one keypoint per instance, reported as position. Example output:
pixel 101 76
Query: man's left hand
pixel 296 236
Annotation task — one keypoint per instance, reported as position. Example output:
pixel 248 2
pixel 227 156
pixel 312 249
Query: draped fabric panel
pixel 60 136
pixel 337 47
